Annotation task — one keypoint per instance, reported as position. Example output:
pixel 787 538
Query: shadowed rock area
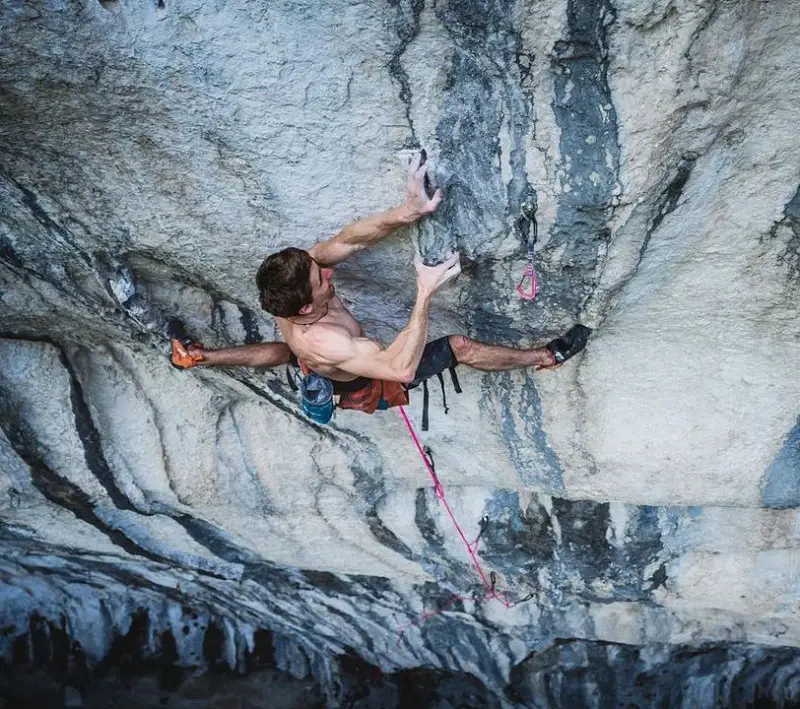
pixel 173 537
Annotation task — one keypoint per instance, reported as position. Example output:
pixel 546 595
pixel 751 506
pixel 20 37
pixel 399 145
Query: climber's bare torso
pixel 308 341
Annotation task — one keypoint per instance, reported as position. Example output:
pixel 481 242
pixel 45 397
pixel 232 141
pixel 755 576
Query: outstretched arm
pixel 399 361
pixel 367 231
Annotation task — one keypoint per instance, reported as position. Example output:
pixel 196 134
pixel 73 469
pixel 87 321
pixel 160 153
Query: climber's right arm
pixel 399 361
pixel 368 231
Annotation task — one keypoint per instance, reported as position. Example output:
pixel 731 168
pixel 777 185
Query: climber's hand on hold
pixel 417 201
pixel 431 278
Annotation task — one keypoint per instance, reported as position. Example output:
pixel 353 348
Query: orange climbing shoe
pixel 182 357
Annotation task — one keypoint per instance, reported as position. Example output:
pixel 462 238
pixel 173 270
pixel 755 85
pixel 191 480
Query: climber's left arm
pixel 365 232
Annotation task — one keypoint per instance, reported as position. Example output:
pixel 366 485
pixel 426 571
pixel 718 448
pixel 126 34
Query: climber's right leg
pixel 262 354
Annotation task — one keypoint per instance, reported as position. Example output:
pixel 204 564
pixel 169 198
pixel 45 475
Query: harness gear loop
pixel 454 379
pixel 444 396
pixel 426 396
pixel 528 285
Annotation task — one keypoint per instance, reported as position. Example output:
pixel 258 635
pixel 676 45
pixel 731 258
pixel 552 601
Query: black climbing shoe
pixel 562 348
pixel 174 329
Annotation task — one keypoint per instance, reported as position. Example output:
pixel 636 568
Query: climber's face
pixel 322 290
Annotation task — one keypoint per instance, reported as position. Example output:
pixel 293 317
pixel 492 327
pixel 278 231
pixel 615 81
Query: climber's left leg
pixel 493 358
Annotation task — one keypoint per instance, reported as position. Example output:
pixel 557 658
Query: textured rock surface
pixel 646 495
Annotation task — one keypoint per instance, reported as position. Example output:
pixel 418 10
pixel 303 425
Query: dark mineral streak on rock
pixel 668 199
pixel 90 438
pixel 386 537
pixel 406 24
pixel 583 534
pixel 579 673
pixel 275 400
pixel 457 572
pixel 521 542
pixel 58 489
pixel 250 325
pixel 8 255
pixel 435 598
pixel 791 254
pixel 542 471
pixel 63 489
pixel 782 488
pixel 515 541
pixel 214 539
pixel 585 114
pixel 641 547
pixel 31 201
pixel 484 96
pixel 425 522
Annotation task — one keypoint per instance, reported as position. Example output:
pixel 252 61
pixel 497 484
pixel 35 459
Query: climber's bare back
pixel 308 342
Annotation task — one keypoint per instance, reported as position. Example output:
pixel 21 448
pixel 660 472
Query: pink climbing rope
pixel 471 548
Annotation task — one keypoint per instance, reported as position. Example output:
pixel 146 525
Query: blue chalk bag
pixel 316 397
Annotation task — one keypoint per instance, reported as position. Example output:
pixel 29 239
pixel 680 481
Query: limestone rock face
pixel 645 494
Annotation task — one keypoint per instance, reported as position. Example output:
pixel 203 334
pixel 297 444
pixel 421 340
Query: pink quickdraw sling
pixel 528 285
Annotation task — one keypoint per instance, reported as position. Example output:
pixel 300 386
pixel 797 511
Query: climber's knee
pixel 463 348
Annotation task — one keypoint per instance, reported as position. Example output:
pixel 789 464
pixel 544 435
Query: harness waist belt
pixel 356 384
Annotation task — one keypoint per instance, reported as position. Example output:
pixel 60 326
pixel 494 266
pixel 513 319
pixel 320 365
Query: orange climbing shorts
pixel 373 395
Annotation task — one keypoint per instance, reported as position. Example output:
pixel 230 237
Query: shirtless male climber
pixel 295 286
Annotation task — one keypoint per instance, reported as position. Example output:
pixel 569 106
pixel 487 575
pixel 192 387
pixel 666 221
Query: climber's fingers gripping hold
pixel 431 278
pixel 417 199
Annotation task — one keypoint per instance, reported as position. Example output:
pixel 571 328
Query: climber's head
pixel 291 283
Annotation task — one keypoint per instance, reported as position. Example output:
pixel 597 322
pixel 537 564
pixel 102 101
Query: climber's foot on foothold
pixel 568 345
pixel 186 355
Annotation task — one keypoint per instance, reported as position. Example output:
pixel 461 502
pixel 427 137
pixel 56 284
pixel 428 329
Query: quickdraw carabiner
pixel 528 285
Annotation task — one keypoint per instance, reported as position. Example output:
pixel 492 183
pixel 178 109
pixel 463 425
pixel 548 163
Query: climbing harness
pixel 361 394
pixel 318 397
pixel 527 285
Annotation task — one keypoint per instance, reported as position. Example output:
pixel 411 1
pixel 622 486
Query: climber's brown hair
pixel 283 282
